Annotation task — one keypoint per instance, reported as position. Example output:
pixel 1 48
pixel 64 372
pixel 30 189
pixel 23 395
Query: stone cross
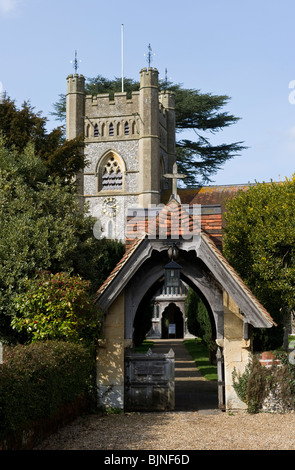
pixel 174 176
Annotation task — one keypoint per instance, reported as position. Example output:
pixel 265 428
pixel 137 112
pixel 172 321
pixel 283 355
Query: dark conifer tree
pixel 201 113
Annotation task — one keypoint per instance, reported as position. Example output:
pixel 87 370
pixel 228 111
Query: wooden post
pixel 220 378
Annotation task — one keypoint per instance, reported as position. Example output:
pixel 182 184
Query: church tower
pixel 129 146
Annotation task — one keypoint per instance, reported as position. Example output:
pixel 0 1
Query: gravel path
pixel 197 423
pixel 176 431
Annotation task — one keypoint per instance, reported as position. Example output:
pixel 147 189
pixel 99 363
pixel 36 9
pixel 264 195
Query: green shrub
pixel 56 307
pixel 38 379
pixel 198 321
pixel 254 385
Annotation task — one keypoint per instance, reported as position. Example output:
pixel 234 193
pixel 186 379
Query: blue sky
pixel 243 49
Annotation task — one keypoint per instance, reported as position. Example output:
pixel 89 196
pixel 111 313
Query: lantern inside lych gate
pixel 172 275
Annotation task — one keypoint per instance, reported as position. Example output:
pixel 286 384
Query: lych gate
pixel 139 276
pixel 130 148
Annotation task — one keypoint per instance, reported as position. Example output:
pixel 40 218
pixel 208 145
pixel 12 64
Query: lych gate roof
pixel 166 221
pixel 125 258
pixel 215 261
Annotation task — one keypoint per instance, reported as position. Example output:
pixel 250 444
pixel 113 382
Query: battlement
pixel 75 76
pixel 146 116
pixel 167 99
pixel 149 77
pixel 76 83
pixel 101 105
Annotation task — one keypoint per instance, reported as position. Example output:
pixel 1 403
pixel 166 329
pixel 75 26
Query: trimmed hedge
pixel 38 380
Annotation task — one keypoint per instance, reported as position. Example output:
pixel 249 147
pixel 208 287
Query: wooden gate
pixel 149 382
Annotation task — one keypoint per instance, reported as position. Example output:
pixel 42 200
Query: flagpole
pixel 122 44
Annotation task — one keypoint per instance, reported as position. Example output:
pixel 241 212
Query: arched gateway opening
pixel 157 309
pixel 162 318
pixel 128 291
pixel 172 322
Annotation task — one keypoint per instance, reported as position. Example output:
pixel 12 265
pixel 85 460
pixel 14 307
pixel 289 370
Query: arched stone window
pixel 111 174
pixel 95 131
pixel 111 129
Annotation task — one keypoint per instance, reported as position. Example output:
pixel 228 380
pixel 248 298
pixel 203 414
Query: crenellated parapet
pixel 76 83
pixel 115 118
pixel 102 105
pixel 129 144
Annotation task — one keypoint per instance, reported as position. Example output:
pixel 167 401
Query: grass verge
pixel 199 354
pixel 144 347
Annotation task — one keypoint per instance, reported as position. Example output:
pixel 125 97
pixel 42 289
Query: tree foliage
pixel 43 228
pixel 22 126
pixel 56 307
pixel 259 242
pixel 200 113
pixel 198 320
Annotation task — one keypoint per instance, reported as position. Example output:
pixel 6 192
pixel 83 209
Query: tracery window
pixel 111 175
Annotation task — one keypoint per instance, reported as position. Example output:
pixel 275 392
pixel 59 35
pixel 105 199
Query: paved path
pixel 192 390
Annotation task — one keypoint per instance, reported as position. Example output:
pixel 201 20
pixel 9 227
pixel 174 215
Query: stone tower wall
pixel 149 142
pixel 75 106
pixel 138 131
